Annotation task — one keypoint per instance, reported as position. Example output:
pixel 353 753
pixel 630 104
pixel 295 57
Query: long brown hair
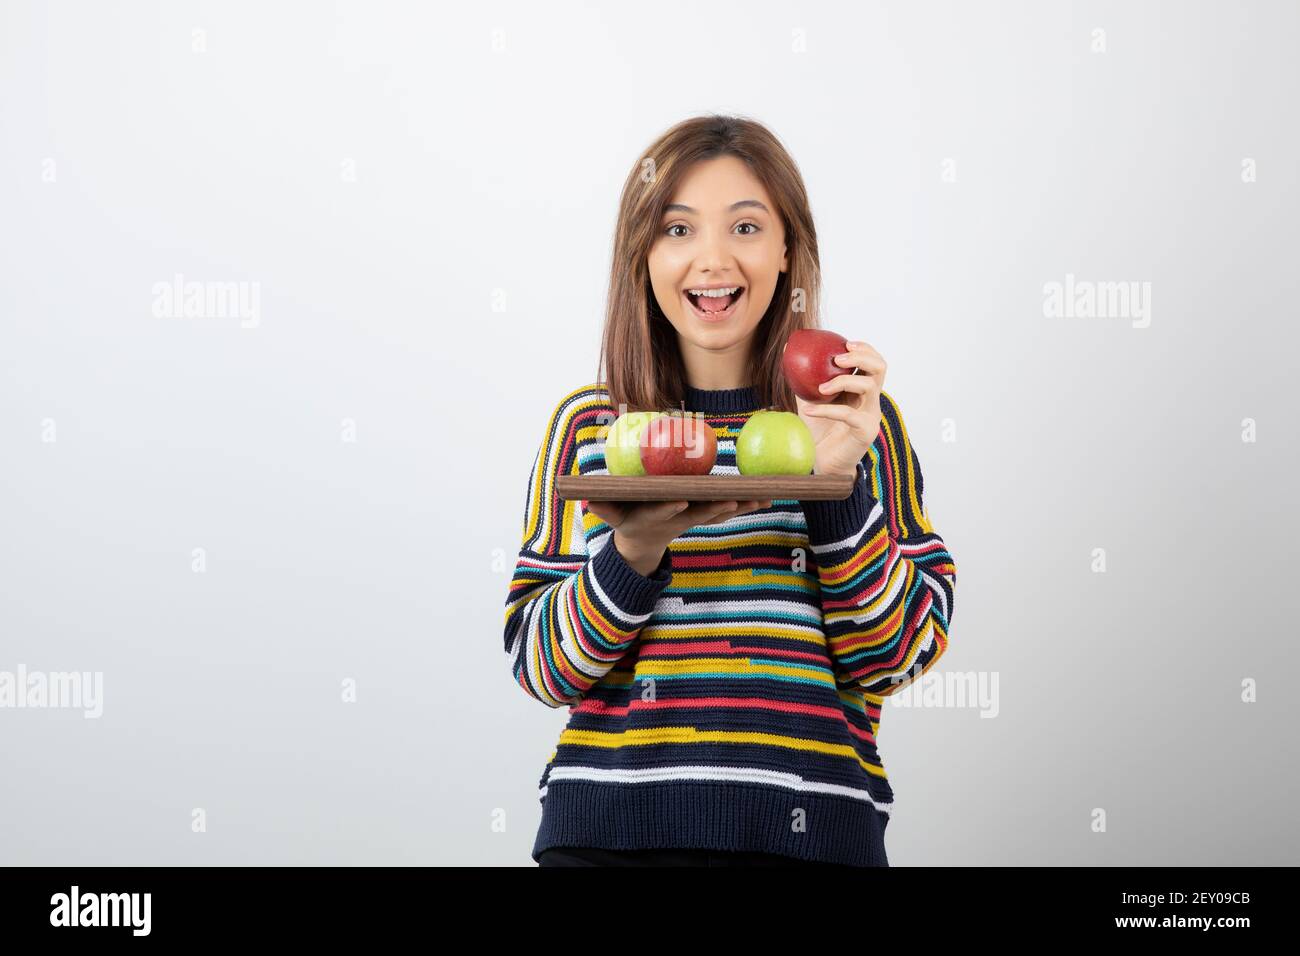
pixel 640 362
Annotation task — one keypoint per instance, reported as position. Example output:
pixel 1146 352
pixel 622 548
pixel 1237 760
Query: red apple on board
pixel 809 360
pixel 678 444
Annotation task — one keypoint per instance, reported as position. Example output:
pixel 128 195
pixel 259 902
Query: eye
pixel 676 225
pixel 752 225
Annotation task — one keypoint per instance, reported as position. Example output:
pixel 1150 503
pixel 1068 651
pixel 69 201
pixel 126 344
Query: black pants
pixel 592 856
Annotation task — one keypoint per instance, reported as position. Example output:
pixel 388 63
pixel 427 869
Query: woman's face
pixel 719 229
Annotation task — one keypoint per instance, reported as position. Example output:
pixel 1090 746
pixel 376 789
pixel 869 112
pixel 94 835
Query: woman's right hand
pixel 643 530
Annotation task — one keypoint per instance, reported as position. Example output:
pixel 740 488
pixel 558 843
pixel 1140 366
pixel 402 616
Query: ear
pixel 785 258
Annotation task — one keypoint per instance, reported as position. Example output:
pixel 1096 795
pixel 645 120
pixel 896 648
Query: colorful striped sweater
pixel 731 699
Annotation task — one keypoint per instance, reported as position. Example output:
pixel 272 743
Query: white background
pixel 476 169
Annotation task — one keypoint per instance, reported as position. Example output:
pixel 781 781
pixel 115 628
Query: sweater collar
pixel 721 401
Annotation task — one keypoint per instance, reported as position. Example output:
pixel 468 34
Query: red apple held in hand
pixel 678 445
pixel 809 360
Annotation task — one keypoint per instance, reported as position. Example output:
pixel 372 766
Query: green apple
pixel 623 443
pixel 775 443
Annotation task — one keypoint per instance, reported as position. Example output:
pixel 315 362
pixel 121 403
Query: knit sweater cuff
pixel 632 593
pixel 832 521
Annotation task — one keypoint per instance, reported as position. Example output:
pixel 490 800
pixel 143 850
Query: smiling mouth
pixel 714 308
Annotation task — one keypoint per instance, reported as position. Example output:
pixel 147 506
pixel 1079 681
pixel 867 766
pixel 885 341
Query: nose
pixel 713 255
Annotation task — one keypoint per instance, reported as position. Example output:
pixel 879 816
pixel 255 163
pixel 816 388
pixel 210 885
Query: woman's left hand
pixel 845 427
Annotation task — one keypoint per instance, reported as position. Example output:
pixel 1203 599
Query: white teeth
pixel 714 293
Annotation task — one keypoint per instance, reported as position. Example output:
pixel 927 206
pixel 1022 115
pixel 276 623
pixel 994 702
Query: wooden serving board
pixel 704 487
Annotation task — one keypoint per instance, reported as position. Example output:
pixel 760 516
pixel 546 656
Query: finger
pixel 852 417
pixel 862 384
pixel 612 513
pixel 863 347
pixel 720 516
pixel 709 512
pixel 744 508
pixel 862 357
pixel 841 413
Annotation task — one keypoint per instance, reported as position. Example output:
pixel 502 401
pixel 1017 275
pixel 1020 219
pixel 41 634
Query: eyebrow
pixel 678 207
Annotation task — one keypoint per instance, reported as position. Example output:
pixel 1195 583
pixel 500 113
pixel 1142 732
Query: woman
pixel 724 662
